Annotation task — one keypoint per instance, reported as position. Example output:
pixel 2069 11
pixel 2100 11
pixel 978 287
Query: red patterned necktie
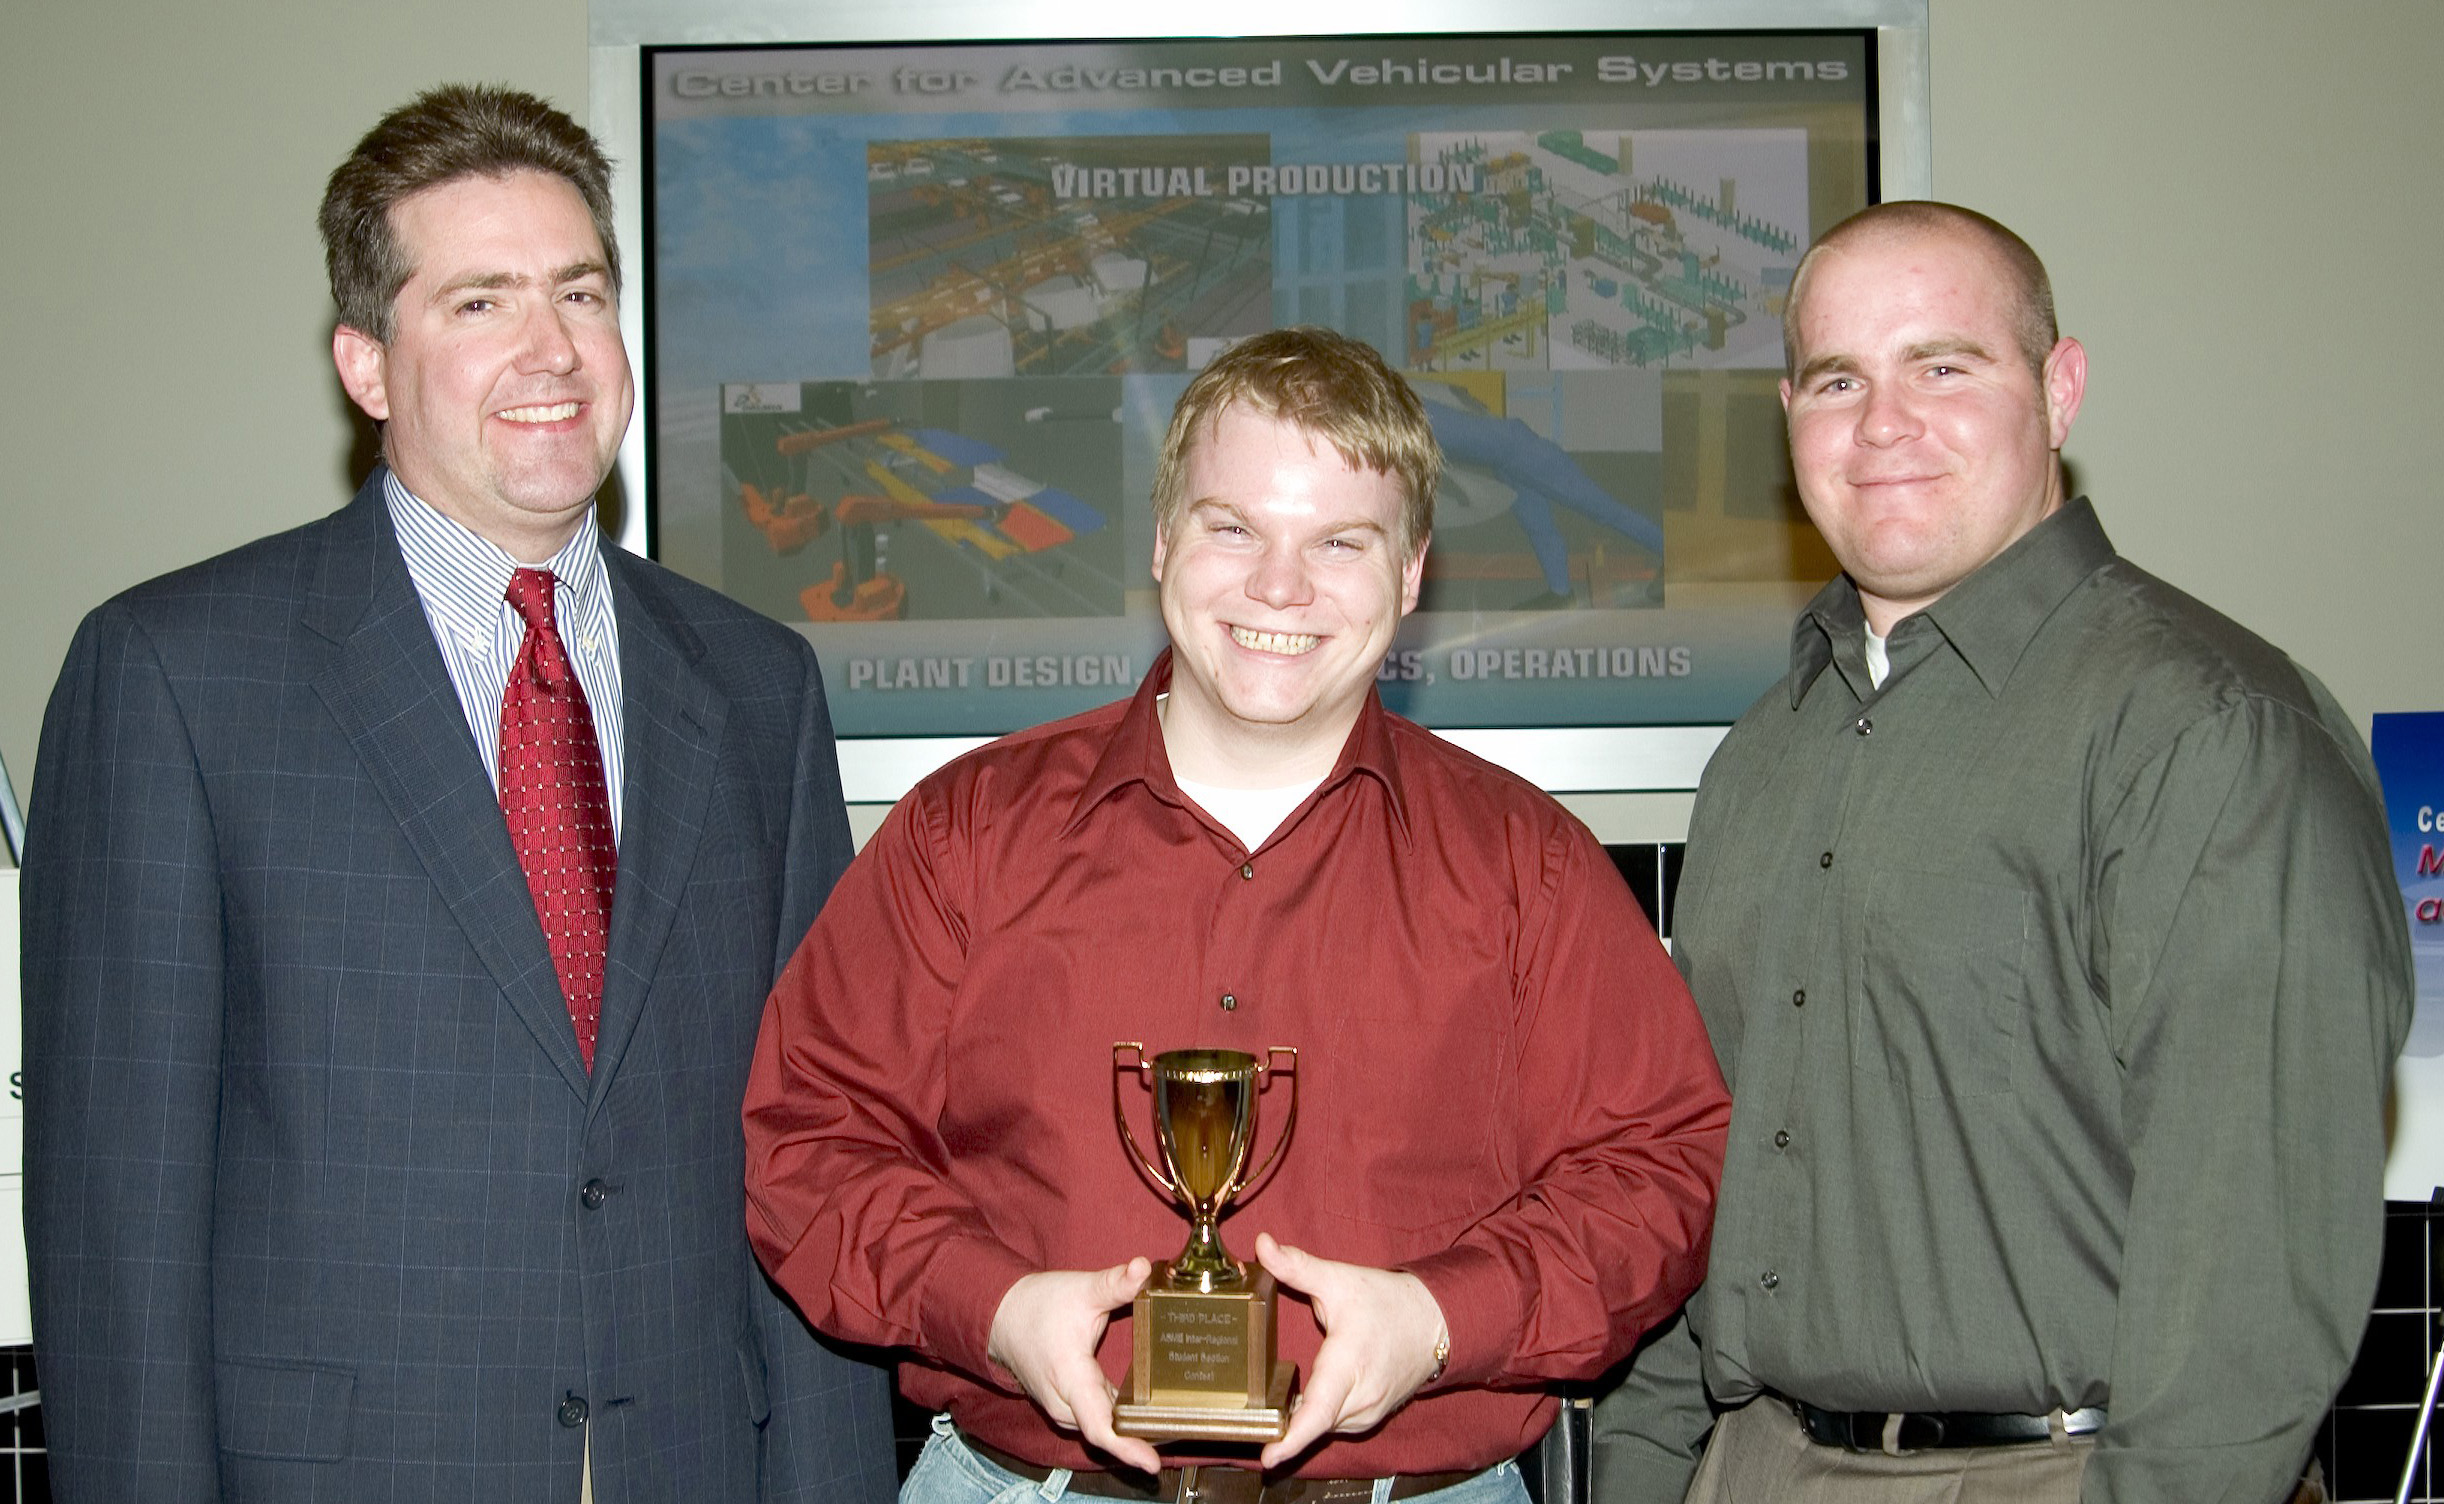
pixel 559 816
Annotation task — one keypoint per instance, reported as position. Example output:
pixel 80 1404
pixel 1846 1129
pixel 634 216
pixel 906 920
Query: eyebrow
pixel 1936 349
pixel 1959 346
pixel 1825 365
pixel 575 271
pixel 1205 505
pixel 1361 525
pixel 1212 505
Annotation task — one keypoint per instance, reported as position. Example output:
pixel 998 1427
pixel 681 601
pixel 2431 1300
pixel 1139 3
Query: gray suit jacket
pixel 320 1201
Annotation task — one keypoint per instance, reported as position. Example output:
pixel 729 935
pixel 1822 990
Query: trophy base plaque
pixel 1204 1367
pixel 1197 1423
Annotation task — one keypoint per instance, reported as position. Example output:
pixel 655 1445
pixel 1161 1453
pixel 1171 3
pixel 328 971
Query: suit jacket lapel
pixel 391 694
pixel 673 717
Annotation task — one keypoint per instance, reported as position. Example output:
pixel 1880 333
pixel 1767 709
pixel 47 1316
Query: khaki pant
pixel 1760 1456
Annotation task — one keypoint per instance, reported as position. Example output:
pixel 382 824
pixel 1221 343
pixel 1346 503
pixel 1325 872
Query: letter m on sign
pixel 2430 865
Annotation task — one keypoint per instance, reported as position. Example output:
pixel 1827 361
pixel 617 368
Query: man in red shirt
pixel 1510 1124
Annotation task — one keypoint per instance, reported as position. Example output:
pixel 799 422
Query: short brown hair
pixel 1328 386
pixel 456 131
pixel 2033 322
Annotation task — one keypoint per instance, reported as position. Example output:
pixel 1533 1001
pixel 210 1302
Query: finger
pixel 1094 1411
pixel 1306 1428
pixel 1086 1397
pixel 1318 1411
pixel 1294 1267
pixel 1117 1286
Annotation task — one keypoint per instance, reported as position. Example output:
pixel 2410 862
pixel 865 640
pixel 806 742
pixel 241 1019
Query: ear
pixel 1162 541
pixel 1786 395
pixel 364 370
pixel 2066 382
pixel 1413 576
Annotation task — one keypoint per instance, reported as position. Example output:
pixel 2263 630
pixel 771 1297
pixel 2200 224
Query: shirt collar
pixel 1135 754
pixel 1989 618
pixel 464 576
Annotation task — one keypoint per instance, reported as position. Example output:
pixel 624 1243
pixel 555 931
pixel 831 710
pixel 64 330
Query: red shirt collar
pixel 1135 754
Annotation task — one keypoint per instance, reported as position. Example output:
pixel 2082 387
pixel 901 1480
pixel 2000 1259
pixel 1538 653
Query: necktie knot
pixel 530 595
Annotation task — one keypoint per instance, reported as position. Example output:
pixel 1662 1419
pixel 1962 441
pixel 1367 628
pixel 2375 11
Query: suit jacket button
pixel 572 1412
pixel 594 1194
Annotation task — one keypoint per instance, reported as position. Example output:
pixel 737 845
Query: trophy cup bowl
pixel 1204 1125
pixel 1204 1365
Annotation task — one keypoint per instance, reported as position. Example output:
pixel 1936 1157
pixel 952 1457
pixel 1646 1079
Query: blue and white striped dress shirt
pixel 463 581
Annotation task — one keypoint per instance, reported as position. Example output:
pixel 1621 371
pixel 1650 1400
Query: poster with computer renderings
pixel 918 315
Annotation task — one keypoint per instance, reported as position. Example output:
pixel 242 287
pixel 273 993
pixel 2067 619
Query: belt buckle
pixel 1886 1432
pixel 1295 1490
pixel 1915 1433
pixel 1859 1430
pixel 1212 1484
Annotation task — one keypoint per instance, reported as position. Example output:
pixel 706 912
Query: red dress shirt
pixel 1505 1089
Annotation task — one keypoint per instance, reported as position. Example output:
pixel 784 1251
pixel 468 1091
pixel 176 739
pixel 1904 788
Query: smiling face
pixel 1282 585
pixel 1922 442
pixel 504 388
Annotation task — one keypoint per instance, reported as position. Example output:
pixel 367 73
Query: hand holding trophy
pixel 1204 1366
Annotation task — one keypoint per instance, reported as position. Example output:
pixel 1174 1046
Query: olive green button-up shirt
pixel 2058 983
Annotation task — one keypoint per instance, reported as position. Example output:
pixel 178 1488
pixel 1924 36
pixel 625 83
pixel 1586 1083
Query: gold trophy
pixel 1204 1367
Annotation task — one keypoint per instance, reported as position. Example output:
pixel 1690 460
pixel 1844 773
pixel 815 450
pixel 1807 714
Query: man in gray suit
pixel 400 900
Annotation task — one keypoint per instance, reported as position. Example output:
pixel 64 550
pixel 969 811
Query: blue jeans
pixel 948 1472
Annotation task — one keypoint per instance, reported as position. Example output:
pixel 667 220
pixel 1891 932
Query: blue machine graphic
pixel 1543 475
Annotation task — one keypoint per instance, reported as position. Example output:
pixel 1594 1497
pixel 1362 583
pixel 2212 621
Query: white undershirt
pixel 1879 660
pixel 1250 814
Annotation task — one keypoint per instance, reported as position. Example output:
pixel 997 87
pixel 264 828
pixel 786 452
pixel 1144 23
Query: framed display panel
pixel 921 286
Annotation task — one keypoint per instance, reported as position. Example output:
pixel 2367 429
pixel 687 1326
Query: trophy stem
pixel 1202 1265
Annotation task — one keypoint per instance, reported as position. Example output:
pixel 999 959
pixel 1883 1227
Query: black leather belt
pixel 1927 1430
pixel 1220 1485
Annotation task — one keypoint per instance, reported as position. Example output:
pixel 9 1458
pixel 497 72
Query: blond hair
pixel 1328 386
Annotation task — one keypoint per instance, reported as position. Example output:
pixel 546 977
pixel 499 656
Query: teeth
pixel 1289 643
pixel 552 414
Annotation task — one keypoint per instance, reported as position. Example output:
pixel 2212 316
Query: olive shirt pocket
pixel 1942 984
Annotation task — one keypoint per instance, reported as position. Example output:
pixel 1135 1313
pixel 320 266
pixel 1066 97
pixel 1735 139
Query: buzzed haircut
pixel 2033 323
pixel 1329 387
pixel 444 134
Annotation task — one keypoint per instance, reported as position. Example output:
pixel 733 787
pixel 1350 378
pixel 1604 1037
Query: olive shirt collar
pixel 1989 618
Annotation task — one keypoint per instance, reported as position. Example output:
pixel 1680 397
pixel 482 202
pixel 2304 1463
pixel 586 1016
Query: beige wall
pixel 165 370
pixel 2240 213
pixel 2242 206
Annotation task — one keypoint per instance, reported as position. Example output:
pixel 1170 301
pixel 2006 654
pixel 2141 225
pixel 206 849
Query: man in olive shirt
pixel 2043 922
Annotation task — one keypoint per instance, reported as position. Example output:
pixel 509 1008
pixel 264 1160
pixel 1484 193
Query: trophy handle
pixel 1120 1114
pixel 1289 1118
